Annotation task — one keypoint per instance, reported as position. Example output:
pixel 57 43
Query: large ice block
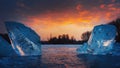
pixel 6 49
pixel 101 41
pixel 24 40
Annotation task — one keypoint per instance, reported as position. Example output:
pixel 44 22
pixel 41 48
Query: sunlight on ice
pixel 21 51
pixel 107 43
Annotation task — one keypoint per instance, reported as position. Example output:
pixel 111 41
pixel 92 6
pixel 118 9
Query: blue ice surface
pixel 5 48
pixel 24 40
pixel 101 41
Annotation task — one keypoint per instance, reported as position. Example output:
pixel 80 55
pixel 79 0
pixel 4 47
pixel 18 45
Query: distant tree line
pixel 62 39
pixel 66 39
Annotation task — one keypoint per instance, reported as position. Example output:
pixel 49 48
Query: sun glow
pixel 73 21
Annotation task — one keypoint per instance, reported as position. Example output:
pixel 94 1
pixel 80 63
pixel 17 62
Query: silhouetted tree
pixel 59 37
pixel 117 24
pixel 53 39
pixel 62 39
pixel 72 38
pixel 85 36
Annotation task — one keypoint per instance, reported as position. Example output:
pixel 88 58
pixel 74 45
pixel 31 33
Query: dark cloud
pixel 21 9
pixel 33 7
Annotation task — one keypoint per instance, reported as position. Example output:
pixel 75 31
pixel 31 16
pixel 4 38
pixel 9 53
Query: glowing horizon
pixel 73 22
pixel 58 17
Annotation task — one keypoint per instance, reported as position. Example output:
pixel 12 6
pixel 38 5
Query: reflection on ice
pixel 21 51
pixel 108 42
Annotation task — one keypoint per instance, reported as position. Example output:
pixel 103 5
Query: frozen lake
pixel 61 56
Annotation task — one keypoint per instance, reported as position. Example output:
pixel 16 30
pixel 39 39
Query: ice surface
pixel 101 41
pixel 116 49
pixel 6 49
pixel 24 40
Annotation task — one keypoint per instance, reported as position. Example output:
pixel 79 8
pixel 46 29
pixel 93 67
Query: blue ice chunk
pixel 6 49
pixel 101 41
pixel 24 40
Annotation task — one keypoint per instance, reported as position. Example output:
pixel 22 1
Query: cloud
pixel 60 16
pixel 102 6
pixel 78 7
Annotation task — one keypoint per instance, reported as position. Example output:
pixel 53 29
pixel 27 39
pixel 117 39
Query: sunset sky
pixel 56 17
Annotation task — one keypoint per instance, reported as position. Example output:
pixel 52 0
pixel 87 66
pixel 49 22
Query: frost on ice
pixel 24 40
pixel 101 41
pixel 5 48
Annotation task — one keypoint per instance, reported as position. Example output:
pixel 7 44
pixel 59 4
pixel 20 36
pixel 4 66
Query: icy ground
pixel 61 56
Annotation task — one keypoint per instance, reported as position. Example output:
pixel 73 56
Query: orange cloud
pixel 102 6
pixel 72 22
pixel 78 7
